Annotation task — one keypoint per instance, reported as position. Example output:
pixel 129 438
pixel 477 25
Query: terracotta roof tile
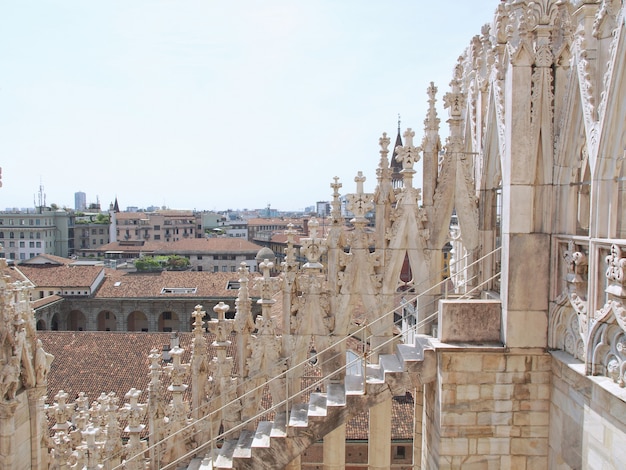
pixel 121 284
pixel 49 300
pixel 131 215
pixel 277 221
pixel 210 245
pixel 40 259
pixel 62 276
pixel 96 362
pixel 189 245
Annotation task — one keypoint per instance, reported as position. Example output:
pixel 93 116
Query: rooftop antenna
pixel 42 196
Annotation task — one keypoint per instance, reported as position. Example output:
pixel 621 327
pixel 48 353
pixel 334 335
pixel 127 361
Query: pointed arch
pixel 611 145
pixel 571 149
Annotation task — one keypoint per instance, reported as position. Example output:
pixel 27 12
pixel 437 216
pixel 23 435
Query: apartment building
pixel 25 234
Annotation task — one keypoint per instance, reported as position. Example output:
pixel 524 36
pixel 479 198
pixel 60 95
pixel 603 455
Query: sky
pixel 215 105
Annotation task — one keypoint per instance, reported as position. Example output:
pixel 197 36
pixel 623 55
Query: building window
pixel 37 221
pixel 233 269
pixel 31 235
pixel 38 235
pixel 31 222
pixel 157 227
pixel 400 452
pixel 38 244
pixel 167 315
pixel 22 244
pixel 1 234
pixel 21 234
pixel 157 237
pixel 199 256
pixel 11 235
pixel 31 244
pixel 216 269
pixel 101 231
pixel 11 244
pixel 224 269
pixel 22 256
pixel 179 290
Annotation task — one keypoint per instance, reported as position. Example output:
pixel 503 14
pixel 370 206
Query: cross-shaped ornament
pixel 198 315
pixel 221 326
pixel 408 155
pixel 313 247
pixel 360 203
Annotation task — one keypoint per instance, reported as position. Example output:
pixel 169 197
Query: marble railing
pixel 588 311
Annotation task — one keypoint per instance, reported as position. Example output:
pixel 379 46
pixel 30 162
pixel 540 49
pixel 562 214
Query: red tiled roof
pixel 282 238
pixel 149 285
pixel 189 245
pixel 49 300
pixel 96 362
pixel 131 215
pixel 62 276
pixel 278 221
pixel 210 245
pixel 145 247
pixel 42 258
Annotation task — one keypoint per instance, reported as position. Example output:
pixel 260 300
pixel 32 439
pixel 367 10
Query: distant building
pixel 322 208
pixel 223 254
pixel 71 296
pixel 80 201
pixel 26 234
pixel 263 229
pixel 90 235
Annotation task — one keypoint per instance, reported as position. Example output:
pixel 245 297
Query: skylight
pixel 179 290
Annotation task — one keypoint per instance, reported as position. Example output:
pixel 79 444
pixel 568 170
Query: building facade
pixel 26 234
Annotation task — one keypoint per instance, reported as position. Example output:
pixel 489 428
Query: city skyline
pixel 215 105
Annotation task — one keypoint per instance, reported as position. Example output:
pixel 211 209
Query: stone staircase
pixel 274 444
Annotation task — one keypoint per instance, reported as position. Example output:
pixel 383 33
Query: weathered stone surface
pixel 470 321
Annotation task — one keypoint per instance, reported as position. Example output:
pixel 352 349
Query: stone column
pixel 379 443
pixel 7 434
pixel 525 280
pixel 418 413
pixel 39 454
pixel 120 321
pixel 335 449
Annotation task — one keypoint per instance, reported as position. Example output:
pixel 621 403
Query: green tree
pixel 102 219
pixel 177 263
pixel 147 263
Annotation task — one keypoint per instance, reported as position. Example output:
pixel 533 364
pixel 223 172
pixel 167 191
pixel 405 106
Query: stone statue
pixel 43 360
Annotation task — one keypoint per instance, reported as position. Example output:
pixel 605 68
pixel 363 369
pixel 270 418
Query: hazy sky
pixel 215 104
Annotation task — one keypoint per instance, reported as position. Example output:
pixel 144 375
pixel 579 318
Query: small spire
pixel 396 166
